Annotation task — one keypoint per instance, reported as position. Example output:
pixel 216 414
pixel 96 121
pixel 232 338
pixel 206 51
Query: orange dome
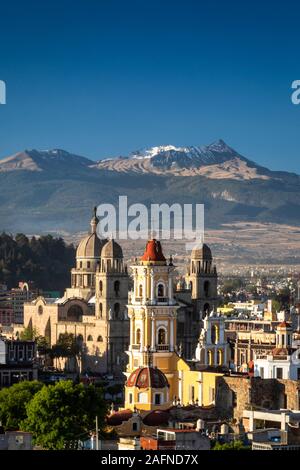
pixel 145 377
pixel 153 251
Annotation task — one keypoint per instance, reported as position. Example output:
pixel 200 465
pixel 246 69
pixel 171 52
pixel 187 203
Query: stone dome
pixel 201 252
pixel 111 249
pixel 91 245
pixel 145 377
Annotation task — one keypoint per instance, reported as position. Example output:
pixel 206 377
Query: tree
pixel 234 445
pixel 13 401
pixel 63 413
pixel 28 334
pixel 67 347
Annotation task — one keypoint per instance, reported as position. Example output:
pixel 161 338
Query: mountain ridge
pixel 54 190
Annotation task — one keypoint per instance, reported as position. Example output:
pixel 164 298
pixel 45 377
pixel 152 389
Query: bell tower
pixel 111 305
pixel 202 279
pixel 152 310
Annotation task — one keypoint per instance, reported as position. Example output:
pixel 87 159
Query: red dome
pixel 153 251
pixel 156 418
pixel 145 377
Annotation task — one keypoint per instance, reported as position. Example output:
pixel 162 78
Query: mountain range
pixel 55 191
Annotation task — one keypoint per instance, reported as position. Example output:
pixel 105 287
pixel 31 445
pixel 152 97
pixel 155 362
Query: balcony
pixel 162 347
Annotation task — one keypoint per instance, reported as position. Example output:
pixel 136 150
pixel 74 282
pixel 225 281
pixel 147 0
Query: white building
pixel 284 360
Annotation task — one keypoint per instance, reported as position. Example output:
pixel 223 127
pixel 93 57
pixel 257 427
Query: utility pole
pixel 97 434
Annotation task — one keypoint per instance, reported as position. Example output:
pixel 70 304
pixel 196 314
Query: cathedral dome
pixel 153 251
pixel 111 249
pixel 145 377
pixel 91 245
pixel 201 252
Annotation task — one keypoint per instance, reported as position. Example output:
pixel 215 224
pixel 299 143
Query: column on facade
pixel 171 334
pixel 215 356
pixel 152 332
pixel 200 391
pixel 170 288
pixel 132 339
pixel 145 286
pixel 152 291
pixel 136 287
pixel 142 334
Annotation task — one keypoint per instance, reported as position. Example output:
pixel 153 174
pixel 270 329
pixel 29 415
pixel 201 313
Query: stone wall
pixel 236 393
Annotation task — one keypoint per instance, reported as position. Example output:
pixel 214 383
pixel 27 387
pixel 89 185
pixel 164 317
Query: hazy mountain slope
pixel 55 190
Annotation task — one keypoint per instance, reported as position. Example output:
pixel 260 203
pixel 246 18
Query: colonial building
pixel 93 309
pixel 157 376
pixel 283 362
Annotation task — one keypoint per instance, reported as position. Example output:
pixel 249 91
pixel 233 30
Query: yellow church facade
pixel 157 377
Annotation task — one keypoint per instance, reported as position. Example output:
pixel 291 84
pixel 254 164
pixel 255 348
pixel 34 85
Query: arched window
pixel 140 290
pixel 74 313
pixel 100 287
pixel 160 290
pixel 191 286
pixel 80 264
pixel 219 357
pixel 205 309
pixel 90 338
pixel 88 264
pixel 138 336
pixel 117 287
pixel 161 336
pixel 214 334
pixel 100 309
pixel 100 339
pixel 206 288
pixel 209 358
pixel 116 310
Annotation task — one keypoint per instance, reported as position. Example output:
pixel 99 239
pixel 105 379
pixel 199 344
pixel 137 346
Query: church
pixel 155 325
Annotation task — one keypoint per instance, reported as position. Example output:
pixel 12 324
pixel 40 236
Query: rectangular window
pixel 130 397
pixel 261 372
pixel 298 373
pixel 157 399
pixel 279 372
pixel 29 353
pixel 12 353
pixel 21 353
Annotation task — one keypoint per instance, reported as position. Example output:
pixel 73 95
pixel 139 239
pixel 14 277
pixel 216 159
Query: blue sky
pixel 105 77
